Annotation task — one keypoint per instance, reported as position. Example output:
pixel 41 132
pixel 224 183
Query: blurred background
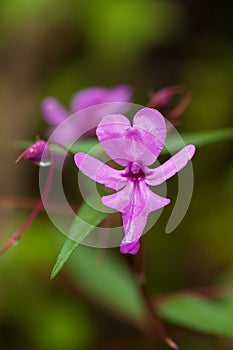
pixel 55 48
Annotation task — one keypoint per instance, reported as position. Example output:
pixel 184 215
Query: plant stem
pixel 39 204
pixel 157 325
pixel 16 236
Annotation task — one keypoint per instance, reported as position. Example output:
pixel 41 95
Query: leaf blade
pixel 106 278
pixel 81 146
pixel 79 229
pixel 199 139
pixel 210 317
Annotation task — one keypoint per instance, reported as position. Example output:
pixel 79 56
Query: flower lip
pixel 134 172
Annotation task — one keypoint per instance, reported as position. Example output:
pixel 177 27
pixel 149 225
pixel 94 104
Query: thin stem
pixel 33 214
pixel 158 327
pixel 64 148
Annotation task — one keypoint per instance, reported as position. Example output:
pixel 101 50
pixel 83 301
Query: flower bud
pixel 37 153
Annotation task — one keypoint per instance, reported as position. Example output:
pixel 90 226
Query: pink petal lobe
pixel 122 142
pixel 112 127
pixel 171 166
pixel 123 151
pixel 53 112
pixel 130 248
pixel 135 216
pixel 120 93
pixel 121 199
pixel 152 125
pixel 99 172
pixel 88 97
pixel 97 95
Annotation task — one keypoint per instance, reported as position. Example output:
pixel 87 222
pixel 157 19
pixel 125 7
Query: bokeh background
pixel 55 48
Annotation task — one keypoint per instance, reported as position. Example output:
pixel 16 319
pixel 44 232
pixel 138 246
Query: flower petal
pixel 122 142
pixel 87 98
pixel 119 93
pixel 155 202
pixel 152 126
pixel 171 166
pixel 112 127
pixel 123 151
pixel 53 112
pixel 130 248
pixel 134 221
pixel 97 95
pixel 99 172
pixel 120 200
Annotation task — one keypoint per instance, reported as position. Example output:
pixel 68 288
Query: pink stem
pixel 33 214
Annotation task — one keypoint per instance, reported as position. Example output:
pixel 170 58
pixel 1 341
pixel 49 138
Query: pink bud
pixel 37 153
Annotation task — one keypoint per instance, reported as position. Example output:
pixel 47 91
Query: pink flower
pixel 54 113
pixel 135 148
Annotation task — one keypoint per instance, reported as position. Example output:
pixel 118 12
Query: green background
pixel 56 48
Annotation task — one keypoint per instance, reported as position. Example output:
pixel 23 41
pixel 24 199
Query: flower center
pixel 135 173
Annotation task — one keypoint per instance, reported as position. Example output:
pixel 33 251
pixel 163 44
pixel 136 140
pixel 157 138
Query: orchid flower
pixel 54 113
pixel 135 148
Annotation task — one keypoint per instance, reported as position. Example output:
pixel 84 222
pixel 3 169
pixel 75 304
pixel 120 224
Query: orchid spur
pixel 135 148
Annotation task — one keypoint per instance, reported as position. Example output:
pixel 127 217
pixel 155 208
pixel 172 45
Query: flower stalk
pixel 156 325
pixel 16 236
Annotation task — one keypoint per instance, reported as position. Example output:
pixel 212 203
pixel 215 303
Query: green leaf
pixel 107 279
pixel 199 314
pixel 198 139
pixel 66 251
pixel 203 138
pixel 84 145
pixel 86 220
pixel 80 146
